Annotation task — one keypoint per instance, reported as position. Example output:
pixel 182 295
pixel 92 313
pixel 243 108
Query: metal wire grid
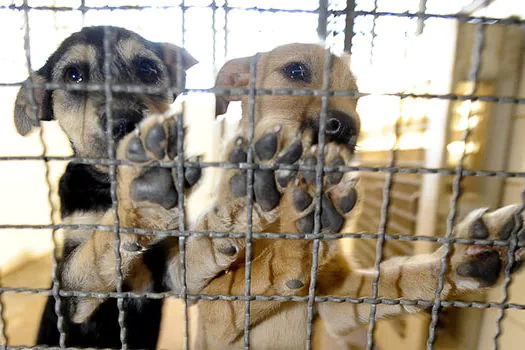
pixel 320 168
pixel 477 49
pixel 323 25
pixel 34 106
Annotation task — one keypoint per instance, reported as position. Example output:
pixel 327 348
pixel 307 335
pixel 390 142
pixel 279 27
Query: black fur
pixel 85 189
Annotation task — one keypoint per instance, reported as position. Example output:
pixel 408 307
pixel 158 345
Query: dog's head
pixel 295 66
pixel 80 60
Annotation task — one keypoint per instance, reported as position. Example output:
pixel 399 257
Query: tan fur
pixel 282 325
pixel 91 266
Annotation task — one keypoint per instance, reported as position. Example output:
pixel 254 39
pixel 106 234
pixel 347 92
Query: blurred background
pixel 392 53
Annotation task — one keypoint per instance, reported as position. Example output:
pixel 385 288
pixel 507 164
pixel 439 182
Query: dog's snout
pixel 340 127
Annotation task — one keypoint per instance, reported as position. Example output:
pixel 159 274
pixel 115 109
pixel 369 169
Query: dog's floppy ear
pixel 235 74
pixel 173 55
pixel 31 106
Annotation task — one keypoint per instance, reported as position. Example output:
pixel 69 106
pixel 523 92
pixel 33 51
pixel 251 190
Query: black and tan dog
pixel 85 189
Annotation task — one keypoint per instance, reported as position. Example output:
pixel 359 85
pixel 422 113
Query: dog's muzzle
pixel 340 128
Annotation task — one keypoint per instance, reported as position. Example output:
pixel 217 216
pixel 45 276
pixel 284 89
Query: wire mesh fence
pixel 337 24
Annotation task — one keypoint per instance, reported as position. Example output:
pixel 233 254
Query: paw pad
pixel 484 267
pixel 136 152
pixel 348 202
pixel 286 147
pixel 155 139
pixel 265 189
pixel 155 185
pixel 266 147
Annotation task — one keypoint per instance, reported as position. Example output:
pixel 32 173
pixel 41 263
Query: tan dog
pixel 286 133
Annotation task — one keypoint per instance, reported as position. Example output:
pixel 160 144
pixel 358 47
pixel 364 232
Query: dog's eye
pixel 297 71
pixel 73 75
pixel 148 71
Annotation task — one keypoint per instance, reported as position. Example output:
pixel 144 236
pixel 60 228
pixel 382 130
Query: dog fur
pixel 85 189
pixel 286 129
pixel 283 203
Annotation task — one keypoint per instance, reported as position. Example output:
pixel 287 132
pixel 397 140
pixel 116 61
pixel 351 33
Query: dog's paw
pixel 155 139
pixel 296 189
pixel 485 264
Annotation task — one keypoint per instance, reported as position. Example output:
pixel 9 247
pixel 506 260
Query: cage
pixel 441 89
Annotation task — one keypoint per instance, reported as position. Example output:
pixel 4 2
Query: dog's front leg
pixel 147 199
pixel 92 266
pixel 469 269
pixel 281 269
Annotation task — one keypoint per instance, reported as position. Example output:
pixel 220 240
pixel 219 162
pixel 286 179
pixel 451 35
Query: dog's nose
pixel 340 127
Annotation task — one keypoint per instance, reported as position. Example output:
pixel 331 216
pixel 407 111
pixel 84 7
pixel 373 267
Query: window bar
pixel 295 92
pixel 214 36
pixel 83 10
pixel 180 179
pixel 477 50
pixel 508 268
pixel 406 14
pixel 54 255
pixel 510 256
pixel 421 19
pixel 249 207
pixel 373 32
pixel 322 22
pixel 3 334
pixel 108 42
pixel 383 224
pixel 349 26
pixel 318 178
pixel 226 11
pixel 510 253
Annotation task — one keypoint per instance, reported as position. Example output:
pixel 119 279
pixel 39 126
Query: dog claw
pixel 238 184
pixel 334 177
pixel 347 203
pixel 301 199
pixel 155 140
pixel 136 152
pixel 306 223
pixel 265 189
pixel 155 185
pixel 266 146
pixel 330 218
pixel 292 154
